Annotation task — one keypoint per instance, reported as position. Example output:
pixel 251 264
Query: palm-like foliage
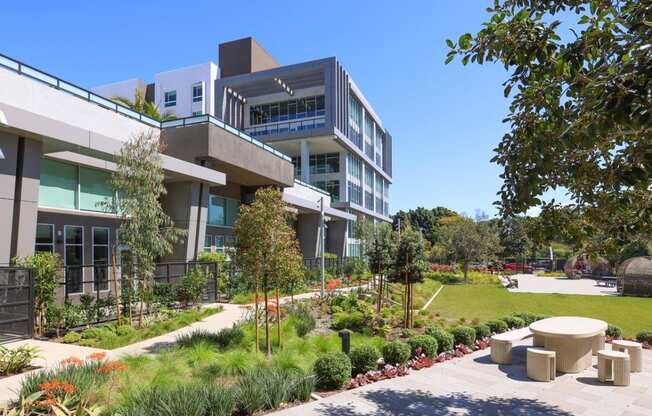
pixel 142 106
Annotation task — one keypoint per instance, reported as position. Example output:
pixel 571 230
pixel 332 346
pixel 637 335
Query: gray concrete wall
pixel 187 205
pixel 336 238
pixel 308 234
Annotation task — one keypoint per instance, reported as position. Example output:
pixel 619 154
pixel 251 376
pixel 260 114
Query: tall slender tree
pixel 267 248
pixel 380 254
pixel 145 228
pixel 410 264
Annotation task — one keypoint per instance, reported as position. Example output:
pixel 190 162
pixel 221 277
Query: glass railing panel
pixel 150 121
pixel 9 63
pixel 128 112
pixel 172 123
pixel 80 92
pixel 196 120
pixel 38 75
pixel 103 101
pixel 231 129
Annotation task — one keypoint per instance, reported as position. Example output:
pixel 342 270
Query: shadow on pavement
pixel 419 403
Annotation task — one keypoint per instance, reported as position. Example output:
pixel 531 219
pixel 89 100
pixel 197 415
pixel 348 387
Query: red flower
pixel 97 356
pixel 112 366
pixel 71 361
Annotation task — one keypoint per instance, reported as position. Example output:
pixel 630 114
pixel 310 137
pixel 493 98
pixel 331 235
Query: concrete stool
pixel 540 364
pixel 539 341
pixel 613 365
pixel 633 349
pixel 598 343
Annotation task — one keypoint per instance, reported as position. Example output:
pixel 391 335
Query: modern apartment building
pixel 311 111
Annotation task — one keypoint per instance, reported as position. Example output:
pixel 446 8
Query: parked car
pixel 517 267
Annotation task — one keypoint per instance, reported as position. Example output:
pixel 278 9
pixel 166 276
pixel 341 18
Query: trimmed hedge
pixel 332 370
pixel 396 352
pixel 497 326
pixel 444 338
pixel 513 322
pixel 482 331
pixel 427 344
pixel 614 332
pixel 364 358
pixel 644 336
pixel 464 335
pixel 527 317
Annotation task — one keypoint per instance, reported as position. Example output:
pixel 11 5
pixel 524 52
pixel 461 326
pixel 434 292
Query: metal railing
pixel 207 118
pixel 84 94
pixel 313 187
pixel 287 126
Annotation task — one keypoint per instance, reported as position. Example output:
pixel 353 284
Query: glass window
pixel 94 189
pixel 197 93
pixel 368 200
pixel 368 177
pixel 170 98
pixel 219 242
pixel 333 162
pixel 58 186
pixel 320 104
pixel 216 210
pixel 44 238
pixel 368 126
pixel 355 193
pixel 100 258
pixel 232 211
pixel 208 242
pixel 74 258
pixel 197 113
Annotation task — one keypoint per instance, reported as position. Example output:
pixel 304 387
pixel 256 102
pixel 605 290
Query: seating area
pixel 568 345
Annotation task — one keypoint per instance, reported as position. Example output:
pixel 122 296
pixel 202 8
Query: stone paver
pixel 474 385
pixel 533 284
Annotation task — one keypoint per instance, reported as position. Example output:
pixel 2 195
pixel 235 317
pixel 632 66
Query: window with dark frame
pixel 197 93
pixel 100 258
pixel 170 99
pixel 74 258
pixel 44 238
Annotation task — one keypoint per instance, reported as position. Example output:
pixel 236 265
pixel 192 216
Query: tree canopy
pixel 468 241
pixel 424 219
pixel 580 110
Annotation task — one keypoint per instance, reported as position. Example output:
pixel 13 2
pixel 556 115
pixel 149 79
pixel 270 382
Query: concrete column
pixel 308 234
pixel 336 238
pixel 305 161
pixel 20 171
pixel 187 204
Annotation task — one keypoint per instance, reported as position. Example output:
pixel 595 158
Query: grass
pixel 485 302
pixel 113 336
pixel 551 274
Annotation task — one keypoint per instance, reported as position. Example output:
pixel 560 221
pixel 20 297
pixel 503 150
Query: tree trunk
pixel 115 288
pixel 268 347
pixel 142 304
pixel 278 318
pixel 256 313
pixel 379 306
pixel 466 272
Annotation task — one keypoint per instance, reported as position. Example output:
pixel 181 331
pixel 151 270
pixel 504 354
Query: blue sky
pixel 445 119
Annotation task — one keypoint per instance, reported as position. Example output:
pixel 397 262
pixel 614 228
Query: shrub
pixel 302 387
pixel 644 336
pixel 444 338
pixel 540 316
pixel 229 337
pixel 396 352
pixel 192 285
pixel 364 358
pixel 482 331
pixel 332 370
pixel 192 399
pixel 614 332
pixel 427 344
pixel 513 322
pixel 15 360
pixel 497 326
pixel 220 401
pixel 355 321
pixel 72 338
pixel 527 317
pixel 250 396
pixel 303 320
pixel 463 335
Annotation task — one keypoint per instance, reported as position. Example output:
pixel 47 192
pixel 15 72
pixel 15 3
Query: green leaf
pixel 449 59
pixel 508 89
pixel 450 43
pixel 465 41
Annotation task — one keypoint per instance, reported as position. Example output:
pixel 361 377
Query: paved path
pixel 535 284
pixel 474 386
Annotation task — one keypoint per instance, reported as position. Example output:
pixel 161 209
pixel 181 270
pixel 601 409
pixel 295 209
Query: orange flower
pixel 334 284
pixel 54 387
pixel 97 356
pixel 112 366
pixel 71 361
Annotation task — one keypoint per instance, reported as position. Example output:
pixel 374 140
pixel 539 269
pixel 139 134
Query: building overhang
pixel 307 199
pixel 244 160
pixel 361 210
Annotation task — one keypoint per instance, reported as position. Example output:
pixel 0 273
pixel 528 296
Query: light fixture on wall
pixel 283 85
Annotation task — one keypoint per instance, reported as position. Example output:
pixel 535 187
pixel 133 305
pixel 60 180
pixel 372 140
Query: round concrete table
pixel 571 338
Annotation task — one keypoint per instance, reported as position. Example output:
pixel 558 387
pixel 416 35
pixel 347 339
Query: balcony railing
pixel 189 121
pixel 313 187
pixel 286 126
pixel 65 86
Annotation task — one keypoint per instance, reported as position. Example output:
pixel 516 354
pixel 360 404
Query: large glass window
pixel 100 258
pixel 296 161
pixel 312 106
pixel 208 242
pixel 355 121
pixel 74 258
pixel 94 189
pixel 197 93
pixel 368 177
pixel 332 187
pixel 58 187
pixel 44 238
pixel 368 200
pixel 170 99
pixel 355 193
pixel 324 163
pixel 380 139
pixel 223 211
pixel 354 167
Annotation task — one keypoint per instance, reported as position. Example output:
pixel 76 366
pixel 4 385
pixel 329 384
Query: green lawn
pixel 486 302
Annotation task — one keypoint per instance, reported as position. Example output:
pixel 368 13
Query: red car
pixel 518 267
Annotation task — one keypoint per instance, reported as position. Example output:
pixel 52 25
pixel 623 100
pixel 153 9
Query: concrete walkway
pixel 473 386
pixel 539 284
